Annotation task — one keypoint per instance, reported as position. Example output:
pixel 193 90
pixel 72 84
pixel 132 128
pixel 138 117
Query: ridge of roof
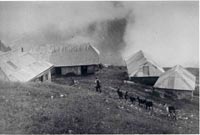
pixel 178 69
pixel 134 55
pixel 23 66
pixel 75 47
pixel 178 72
pixel 181 70
pixel 142 55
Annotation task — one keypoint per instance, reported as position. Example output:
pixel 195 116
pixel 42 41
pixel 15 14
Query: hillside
pixel 59 108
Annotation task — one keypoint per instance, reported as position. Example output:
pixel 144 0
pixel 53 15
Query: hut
pixel 69 59
pixel 176 82
pixel 81 59
pixel 22 67
pixel 142 69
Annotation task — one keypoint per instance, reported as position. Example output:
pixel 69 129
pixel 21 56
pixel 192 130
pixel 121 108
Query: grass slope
pixel 40 108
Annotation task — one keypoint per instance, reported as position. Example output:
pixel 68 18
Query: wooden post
pixel 49 75
pixel 192 96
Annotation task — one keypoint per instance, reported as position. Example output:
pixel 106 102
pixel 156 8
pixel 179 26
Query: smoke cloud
pixel 107 37
pixel 166 30
pixel 60 18
pixel 116 28
pixel 32 24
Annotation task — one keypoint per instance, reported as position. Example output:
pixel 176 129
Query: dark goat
pixel 126 95
pixel 132 99
pixel 120 93
pixel 141 101
pixel 149 105
pixel 171 111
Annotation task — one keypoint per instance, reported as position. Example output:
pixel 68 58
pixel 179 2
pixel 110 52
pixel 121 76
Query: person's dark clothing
pixel 98 85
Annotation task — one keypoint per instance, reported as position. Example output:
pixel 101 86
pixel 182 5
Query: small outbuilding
pixel 22 67
pixel 177 82
pixel 142 69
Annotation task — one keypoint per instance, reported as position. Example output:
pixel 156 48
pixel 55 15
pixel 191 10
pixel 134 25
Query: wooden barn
pixel 176 82
pixel 70 59
pixel 81 59
pixel 142 69
pixel 22 67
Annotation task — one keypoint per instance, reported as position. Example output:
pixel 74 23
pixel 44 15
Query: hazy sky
pixel 168 31
pixel 24 17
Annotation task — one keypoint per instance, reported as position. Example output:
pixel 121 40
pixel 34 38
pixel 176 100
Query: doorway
pixel 58 70
pixel 41 78
pixel 83 70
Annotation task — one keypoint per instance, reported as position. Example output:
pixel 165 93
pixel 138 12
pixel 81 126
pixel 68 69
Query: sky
pixel 168 31
pixel 19 18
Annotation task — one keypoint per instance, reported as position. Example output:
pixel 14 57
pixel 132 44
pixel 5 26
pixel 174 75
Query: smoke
pixel 166 30
pixel 115 28
pixel 107 37
pixel 57 18
pixel 33 24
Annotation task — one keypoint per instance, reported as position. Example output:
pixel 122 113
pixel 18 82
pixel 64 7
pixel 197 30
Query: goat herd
pixel 144 102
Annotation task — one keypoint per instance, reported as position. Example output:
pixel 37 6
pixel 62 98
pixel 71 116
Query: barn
pixel 142 69
pixel 69 59
pixel 176 82
pixel 78 59
pixel 22 67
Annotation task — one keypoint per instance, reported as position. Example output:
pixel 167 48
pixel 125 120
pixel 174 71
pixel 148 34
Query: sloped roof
pixel 4 48
pixel 74 55
pixel 176 78
pixel 22 66
pixel 138 60
pixel 68 54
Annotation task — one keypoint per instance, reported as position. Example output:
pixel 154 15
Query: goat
pixel 126 95
pixel 132 99
pixel 120 94
pixel 141 101
pixel 171 111
pixel 149 105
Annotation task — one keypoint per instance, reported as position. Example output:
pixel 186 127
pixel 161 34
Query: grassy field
pixel 59 108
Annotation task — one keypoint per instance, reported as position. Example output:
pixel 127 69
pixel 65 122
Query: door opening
pixel 83 70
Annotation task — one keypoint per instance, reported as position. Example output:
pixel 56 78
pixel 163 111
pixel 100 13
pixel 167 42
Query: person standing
pixel 98 85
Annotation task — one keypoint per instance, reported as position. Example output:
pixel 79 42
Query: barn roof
pixel 139 60
pixel 176 78
pixel 69 54
pixel 22 66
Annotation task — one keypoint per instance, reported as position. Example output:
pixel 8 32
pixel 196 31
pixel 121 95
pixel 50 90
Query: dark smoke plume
pixel 105 31
pixel 109 37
